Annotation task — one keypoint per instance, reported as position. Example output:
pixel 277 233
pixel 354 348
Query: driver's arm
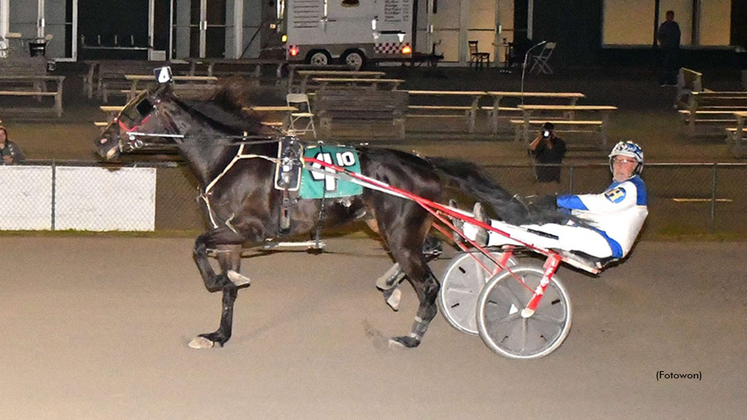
pixel 619 197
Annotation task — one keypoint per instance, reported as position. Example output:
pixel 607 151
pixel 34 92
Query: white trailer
pixel 352 31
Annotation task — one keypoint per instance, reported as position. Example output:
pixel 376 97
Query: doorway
pixel 198 28
pixel 41 18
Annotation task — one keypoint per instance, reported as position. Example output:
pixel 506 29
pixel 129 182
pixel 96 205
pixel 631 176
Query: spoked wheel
pixel 461 285
pixel 499 319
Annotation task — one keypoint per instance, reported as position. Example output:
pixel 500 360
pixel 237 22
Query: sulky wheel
pixel 461 285
pixel 501 324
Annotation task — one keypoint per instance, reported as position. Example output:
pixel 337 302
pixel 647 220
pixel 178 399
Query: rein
pixel 205 195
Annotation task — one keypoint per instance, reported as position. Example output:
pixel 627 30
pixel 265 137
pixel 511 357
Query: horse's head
pixel 158 117
pixel 139 117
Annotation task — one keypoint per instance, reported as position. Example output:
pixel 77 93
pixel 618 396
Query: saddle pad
pixel 318 185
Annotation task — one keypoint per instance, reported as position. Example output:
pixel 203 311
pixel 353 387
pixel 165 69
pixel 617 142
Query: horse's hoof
pixel 393 298
pixel 407 342
pixel 237 279
pixel 201 343
pixel 395 345
pixel 391 278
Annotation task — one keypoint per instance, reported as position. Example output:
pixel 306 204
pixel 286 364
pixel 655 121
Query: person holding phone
pixel 548 151
pixel 9 150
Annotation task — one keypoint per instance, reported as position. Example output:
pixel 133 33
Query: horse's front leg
pixel 226 242
pixel 229 258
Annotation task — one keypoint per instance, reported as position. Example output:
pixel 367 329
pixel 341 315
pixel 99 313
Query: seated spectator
pixel 10 151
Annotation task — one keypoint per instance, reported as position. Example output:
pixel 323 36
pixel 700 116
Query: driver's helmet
pixel 628 149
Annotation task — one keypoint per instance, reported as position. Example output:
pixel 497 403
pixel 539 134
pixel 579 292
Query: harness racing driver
pixel 612 218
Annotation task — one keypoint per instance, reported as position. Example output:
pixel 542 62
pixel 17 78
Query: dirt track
pixel 97 328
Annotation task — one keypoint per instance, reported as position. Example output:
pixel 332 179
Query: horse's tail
pixel 477 183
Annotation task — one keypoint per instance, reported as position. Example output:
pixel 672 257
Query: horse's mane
pixel 222 110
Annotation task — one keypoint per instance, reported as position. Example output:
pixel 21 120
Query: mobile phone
pixel 545 133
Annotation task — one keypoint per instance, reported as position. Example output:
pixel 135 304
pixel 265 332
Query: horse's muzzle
pixel 107 148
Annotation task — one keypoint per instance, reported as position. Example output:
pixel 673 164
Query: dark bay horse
pixel 245 208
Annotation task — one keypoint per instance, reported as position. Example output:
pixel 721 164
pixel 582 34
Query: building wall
pixel 630 23
pixel 713 30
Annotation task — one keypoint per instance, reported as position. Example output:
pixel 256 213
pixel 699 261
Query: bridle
pixel 134 138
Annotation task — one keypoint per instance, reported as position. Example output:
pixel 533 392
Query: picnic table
pixel 497 96
pixel 284 111
pixel 256 62
pixel 113 110
pixel 569 115
pixel 354 81
pixel 307 74
pixel 135 78
pixel 470 110
pixel 739 132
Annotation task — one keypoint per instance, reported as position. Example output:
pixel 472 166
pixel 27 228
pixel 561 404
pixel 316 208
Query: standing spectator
pixel 669 40
pixel 9 150
pixel 547 149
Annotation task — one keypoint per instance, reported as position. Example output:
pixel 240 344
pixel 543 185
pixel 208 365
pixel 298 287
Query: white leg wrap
pixel 237 278
pixel 394 299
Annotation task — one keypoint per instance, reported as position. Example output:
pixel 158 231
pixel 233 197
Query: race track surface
pixel 97 328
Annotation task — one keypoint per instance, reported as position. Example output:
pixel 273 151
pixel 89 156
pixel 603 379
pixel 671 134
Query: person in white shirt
pixel 609 222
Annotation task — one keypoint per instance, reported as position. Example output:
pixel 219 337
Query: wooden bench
pixel 688 81
pixel 711 107
pixel 190 84
pixel 248 67
pixel 305 75
pixel 363 109
pixel 569 116
pixel 496 111
pixel 112 111
pixel 469 112
pixel 111 80
pixel 294 78
pixel 735 135
pixel 562 126
pixel 356 83
pixel 26 77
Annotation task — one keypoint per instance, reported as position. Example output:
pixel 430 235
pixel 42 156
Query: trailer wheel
pixel 354 59
pixel 318 58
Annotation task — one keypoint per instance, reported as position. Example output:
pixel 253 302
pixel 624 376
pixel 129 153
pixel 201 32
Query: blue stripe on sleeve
pixel 642 198
pixel 571 202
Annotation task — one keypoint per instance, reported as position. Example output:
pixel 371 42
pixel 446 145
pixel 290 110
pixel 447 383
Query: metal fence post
pixel 570 179
pixel 54 190
pixel 713 197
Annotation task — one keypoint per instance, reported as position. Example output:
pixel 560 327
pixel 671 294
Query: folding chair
pixel 300 101
pixel 476 56
pixel 540 60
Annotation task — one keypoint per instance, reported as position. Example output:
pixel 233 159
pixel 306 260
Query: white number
pixel 330 182
pixel 345 159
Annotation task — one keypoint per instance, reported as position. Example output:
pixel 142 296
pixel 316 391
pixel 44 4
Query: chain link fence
pixel 683 199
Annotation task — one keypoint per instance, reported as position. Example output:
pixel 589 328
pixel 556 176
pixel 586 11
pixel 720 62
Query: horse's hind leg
pixel 389 282
pixel 426 287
